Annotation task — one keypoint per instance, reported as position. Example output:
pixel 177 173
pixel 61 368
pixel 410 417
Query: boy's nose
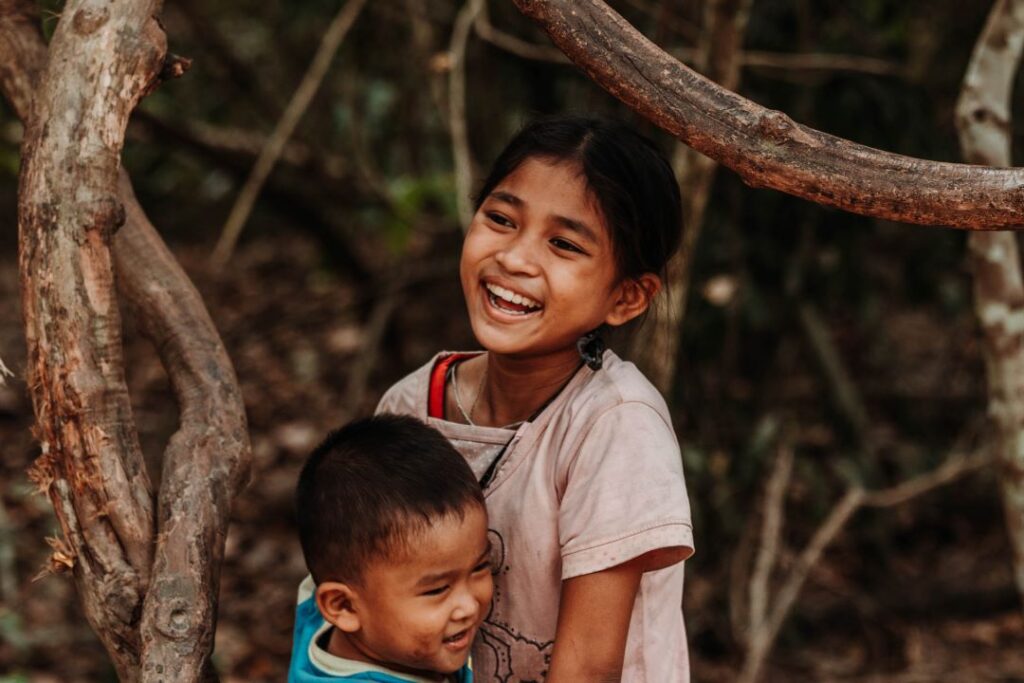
pixel 466 607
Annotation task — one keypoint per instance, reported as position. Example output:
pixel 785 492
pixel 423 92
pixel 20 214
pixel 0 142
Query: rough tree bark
pixel 719 58
pixel 765 147
pixel 983 121
pixel 147 580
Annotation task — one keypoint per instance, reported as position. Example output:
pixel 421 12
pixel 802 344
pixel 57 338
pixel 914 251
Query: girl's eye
pixel 435 591
pixel 484 566
pixel 565 245
pixel 499 219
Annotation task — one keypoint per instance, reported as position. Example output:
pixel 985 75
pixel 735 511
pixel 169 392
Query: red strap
pixel 435 397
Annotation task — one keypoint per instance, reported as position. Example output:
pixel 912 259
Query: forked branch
pixel 206 461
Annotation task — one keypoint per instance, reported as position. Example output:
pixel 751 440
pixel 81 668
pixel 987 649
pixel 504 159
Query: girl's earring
pixel 591 347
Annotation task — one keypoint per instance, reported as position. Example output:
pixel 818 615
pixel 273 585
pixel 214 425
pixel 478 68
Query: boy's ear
pixel 339 605
pixel 634 297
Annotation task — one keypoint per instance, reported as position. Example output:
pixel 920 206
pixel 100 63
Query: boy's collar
pixel 333 665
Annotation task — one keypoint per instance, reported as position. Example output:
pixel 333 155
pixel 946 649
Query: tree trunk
pixel 766 147
pixel 148 585
pixel 983 121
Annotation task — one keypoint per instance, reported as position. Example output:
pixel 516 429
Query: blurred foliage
pixel 370 166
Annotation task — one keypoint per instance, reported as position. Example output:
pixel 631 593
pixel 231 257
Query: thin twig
pixel 513 45
pixel 773 517
pixel 717 56
pixel 8 569
pixel 5 372
pixel 820 61
pixel 845 395
pixel 954 468
pixel 461 154
pixel 370 352
pixel 761 639
pixel 748 59
pixel 686 29
pixel 423 44
pixel 300 101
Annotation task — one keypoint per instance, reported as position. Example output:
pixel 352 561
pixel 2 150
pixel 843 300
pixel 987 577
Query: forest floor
pixel 294 334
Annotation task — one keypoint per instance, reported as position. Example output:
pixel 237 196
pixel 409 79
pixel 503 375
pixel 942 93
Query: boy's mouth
pixel 507 301
pixel 459 640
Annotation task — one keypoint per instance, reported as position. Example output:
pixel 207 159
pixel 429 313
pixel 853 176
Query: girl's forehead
pixel 554 186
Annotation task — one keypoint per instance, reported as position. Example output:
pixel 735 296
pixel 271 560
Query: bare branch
pixel 773 515
pixel 103 59
pixel 983 121
pixel 423 43
pixel 5 372
pixel 206 460
pixel 750 59
pixel 841 387
pixel 762 639
pixel 461 153
pixel 717 56
pixel 820 61
pixel 763 636
pixel 289 197
pixel 951 470
pixel 517 46
pixel 767 148
pixel 300 101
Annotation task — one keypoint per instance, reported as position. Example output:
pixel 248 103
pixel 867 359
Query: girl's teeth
pixel 511 297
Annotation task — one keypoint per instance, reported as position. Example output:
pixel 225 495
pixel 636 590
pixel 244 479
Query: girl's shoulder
pixel 617 383
pixel 407 396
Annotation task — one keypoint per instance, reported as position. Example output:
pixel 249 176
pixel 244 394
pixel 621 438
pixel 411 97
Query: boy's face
pixel 421 610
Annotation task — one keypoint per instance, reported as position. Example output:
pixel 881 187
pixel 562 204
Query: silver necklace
pixel 476 399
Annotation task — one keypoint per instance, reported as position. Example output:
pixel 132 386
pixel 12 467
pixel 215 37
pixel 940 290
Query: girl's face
pixel 538 268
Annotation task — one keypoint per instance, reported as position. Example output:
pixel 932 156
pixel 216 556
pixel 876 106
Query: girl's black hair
pixel 631 181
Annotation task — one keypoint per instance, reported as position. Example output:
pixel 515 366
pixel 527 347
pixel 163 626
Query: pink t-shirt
pixel 592 482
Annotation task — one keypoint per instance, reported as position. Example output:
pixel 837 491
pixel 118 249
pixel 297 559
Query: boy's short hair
pixel 370 487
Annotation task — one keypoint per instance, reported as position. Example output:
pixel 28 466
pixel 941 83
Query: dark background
pixel 919 592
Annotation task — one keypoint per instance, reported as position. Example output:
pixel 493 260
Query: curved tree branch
pixel 206 462
pixel 767 148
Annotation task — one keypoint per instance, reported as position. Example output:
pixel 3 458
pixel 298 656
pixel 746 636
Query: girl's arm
pixel 593 622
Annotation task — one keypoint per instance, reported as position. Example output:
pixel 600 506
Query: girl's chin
pixel 501 343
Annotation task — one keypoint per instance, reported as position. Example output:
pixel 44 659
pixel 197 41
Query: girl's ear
pixel 634 296
pixel 339 605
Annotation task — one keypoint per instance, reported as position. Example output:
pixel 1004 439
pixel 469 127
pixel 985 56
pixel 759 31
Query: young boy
pixel 394 532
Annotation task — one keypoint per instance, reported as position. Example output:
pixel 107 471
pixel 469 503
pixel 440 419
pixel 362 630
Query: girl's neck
pixel 514 388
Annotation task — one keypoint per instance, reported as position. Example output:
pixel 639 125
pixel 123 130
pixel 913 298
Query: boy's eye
pixel 435 591
pixel 483 566
pixel 565 245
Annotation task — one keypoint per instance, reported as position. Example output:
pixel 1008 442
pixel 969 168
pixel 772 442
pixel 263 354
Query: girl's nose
pixel 518 257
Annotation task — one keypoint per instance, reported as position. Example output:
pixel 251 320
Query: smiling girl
pixel 589 516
